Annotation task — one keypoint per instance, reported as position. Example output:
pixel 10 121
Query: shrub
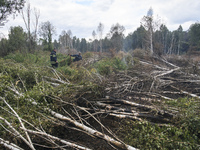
pixel 140 53
pixel 119 64
pixel 179 61
pixel 88 55
pixel 144 135
pixel 65 62
pixel 18 57
pixel 106 66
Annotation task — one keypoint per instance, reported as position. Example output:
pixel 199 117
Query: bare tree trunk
pixel 85 128
pixel 73 145
pixel 100 30
pixel 37 15
pixel 179 45
pixel 171 46
pixel 92 131
pixel 29 142
pixel 9 145
pixel 151 41
pixel 27 24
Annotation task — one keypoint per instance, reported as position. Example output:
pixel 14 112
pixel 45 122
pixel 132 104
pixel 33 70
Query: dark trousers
pixel 55 65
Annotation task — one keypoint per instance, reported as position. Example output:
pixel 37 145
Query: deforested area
pixel 129 103
pixel 113 91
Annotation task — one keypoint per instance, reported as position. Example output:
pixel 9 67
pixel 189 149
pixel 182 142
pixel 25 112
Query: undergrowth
pixel 183 133
pixel 25 73
pixel 106 66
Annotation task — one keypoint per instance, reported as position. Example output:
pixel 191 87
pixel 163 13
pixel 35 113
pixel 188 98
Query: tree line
pixel 152 36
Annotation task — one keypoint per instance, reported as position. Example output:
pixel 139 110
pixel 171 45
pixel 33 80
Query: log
pixel 121 101
pixel 69 144
pixel 185 92
pixel 92 131
pixel 9 145
pixel 87 129
pixel 56 80
pixel 156 66
pixel 30 144
pixel 145 107
pixel 16 133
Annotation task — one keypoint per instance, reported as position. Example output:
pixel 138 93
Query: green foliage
pixel 144 135
pixel 26 74
pixel 17 39
pixel 184 134
pixel 9 7
pixel 4 47
pixel 64 60
pixel 18 57
pixel 38 58
pixel 189 118
pixel 26 77
pixel 46 31
pixel 88 55
pixel 140 53
pixel 68 70
pixel 107 66
pixel 130 61
pixel 116 36
pixel 194 33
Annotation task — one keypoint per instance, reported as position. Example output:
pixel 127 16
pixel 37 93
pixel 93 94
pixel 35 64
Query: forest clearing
pixel 125 101
pixel 135 86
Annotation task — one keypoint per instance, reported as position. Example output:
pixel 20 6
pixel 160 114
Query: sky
pixel 82 17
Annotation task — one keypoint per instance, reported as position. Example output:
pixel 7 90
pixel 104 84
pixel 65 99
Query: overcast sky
pixel 83 16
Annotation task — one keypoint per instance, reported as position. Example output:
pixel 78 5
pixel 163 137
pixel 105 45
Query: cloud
pixel 83 16
pixel 182 11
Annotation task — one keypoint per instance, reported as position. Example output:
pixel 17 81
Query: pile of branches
pixel 151 82
pixel 71 115
pixel 46 115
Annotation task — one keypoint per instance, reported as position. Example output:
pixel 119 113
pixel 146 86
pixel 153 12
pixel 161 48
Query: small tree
pixel 66 41
pixel 194 33
pixel 164 38
pixel 63 39
pixel 17 39
pixel 116 36
pixel 26 15
pixel 46 31
pixel 150 25
pixel 3 47
pixel 83 45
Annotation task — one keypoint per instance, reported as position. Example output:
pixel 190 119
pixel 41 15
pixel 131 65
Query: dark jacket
pixel 77 57
pixel 53 57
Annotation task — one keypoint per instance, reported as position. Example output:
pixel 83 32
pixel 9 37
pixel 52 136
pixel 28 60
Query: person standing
pixel 53 59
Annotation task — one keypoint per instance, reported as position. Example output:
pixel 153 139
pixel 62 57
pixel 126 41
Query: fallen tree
pixel 59 111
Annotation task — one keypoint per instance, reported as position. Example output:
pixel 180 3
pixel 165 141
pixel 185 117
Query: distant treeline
pixel 163 41
pixel 152 36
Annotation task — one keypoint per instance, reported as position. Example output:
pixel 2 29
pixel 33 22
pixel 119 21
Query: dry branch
pixel 9 145
pixel 187 93
pixel 68 144
pixel 87 129
pixel 92 131
pixel 55 80
pixel 16 133
pixel 30 144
